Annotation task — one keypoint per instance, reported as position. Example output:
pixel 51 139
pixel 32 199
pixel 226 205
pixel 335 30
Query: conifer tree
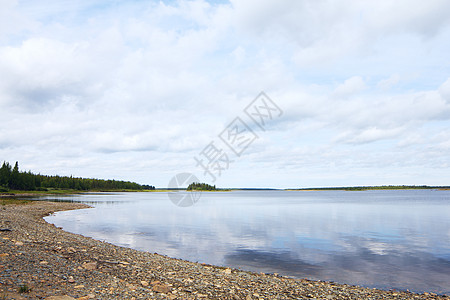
pixel 5 173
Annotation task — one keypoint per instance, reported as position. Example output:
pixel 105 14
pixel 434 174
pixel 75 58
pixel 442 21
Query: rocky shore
pixel 40 261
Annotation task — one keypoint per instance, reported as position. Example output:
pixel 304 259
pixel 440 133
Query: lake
pixel 391 239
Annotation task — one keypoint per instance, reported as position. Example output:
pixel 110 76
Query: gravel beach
pixel 41 261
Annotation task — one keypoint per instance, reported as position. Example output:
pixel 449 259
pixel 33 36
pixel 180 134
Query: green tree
pixel 14 179
pixel 5 174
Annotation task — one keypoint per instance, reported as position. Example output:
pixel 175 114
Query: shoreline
pixel 42 260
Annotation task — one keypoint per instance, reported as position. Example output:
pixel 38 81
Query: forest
pixel 11 178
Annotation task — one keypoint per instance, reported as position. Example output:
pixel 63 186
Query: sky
pixel 144 90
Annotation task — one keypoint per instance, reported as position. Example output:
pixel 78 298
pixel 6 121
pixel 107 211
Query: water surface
pixel 384 239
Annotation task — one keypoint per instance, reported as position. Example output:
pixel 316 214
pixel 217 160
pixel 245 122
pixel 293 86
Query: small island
pixel 197 186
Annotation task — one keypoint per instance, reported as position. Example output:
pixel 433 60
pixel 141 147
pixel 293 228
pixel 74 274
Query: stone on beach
pixel 90 266
pixel 161 288
pixel 144 283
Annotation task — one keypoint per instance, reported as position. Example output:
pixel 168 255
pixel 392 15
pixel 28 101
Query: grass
pixel 52 191
pixel 49 191
pixel 23 288
pixel 70 191
pixel 6 201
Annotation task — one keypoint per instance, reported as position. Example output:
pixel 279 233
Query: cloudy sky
pixel 135 90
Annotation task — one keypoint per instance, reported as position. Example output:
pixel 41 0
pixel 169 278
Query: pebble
pixel 90 266
pixel 144 283
pixel 161 288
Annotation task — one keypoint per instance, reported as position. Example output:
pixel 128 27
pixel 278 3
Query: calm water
pixel 383 239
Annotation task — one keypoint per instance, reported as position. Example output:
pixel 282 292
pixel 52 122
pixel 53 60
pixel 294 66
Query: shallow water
pixel 384 239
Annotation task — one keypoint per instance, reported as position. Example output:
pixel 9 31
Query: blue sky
pixel 136 89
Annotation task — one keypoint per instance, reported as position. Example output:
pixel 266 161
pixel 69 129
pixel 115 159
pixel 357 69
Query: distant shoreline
pixel 368 188
pixel 18 193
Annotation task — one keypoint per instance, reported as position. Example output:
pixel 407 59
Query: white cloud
pixel 417 17
pixel 370 134
pixel 388 83
pixel 444 90
pixel 145 86
pixel 350 87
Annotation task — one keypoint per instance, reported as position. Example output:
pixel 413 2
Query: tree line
pixel 382 187
pixel 11 178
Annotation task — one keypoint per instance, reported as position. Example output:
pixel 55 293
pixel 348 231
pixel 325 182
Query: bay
pixel 389 239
